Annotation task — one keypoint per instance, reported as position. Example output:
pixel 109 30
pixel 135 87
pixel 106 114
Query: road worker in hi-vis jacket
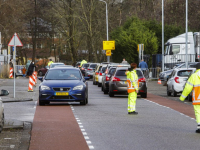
pixel 193 84
pixel 132 89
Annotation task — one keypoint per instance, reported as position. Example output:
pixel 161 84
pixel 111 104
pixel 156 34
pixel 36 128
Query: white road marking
pixel 91 147
pixel 35 104
pixel 86 137
pixel 89 142
pixel 84 133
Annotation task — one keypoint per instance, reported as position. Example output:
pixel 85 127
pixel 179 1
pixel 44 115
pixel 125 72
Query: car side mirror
pixel 40 78
pixel 4 92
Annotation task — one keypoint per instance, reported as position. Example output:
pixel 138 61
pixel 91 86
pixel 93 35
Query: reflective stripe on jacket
pixel 193 84
pixel 132 81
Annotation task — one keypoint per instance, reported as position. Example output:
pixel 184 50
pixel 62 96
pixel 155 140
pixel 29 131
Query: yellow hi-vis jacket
pixel 132 81
pixel 83 62
pixel 193 84
pixel 50 62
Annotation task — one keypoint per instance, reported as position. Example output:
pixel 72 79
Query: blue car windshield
pixel 63 74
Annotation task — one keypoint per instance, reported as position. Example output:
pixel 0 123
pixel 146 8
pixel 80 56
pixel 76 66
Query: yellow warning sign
pixel 108 45
pixel 108 52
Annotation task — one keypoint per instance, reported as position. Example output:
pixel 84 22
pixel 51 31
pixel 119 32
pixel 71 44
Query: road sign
pixel 15 41
pixel 108 52
pixel 108 45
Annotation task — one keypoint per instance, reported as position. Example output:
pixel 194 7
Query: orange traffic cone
pixel 159 81
pixel 11 73
pixel 31 83
pixel 34 79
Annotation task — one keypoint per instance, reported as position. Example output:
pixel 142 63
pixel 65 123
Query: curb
pixel 21 100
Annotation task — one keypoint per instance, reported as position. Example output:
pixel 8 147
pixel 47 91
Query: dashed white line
pixel 35 104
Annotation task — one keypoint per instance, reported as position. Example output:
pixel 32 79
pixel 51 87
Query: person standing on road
pixel 132 81
pixel 31 69
pixel 193 84
pixel 144 67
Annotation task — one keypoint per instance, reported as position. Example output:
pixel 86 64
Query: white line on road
pixel 35 104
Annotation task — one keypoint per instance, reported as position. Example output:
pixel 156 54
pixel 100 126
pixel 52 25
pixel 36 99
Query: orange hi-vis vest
pixel 193 84
pixel 131 88
pixel 132 78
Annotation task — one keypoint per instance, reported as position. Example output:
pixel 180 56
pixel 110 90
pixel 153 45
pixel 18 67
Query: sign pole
pixel 14 61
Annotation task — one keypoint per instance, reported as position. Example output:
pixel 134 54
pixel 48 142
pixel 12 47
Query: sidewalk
pixel 21 90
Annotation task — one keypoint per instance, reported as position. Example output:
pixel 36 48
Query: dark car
pixel 106 79
pixel 43 70
pixel 118 83
pixel 84 67
pixel 108 74
pixel 63 85
pixel 90 70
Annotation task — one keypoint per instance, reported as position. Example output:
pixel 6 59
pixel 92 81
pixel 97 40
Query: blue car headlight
pixel 43 87
pixel 79 87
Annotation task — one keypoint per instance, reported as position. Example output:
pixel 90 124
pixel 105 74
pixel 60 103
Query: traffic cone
pixel 11 73
pixel 34 79
pixel 159 81
pixel 31 83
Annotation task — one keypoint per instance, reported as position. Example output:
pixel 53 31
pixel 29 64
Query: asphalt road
pixel 108 126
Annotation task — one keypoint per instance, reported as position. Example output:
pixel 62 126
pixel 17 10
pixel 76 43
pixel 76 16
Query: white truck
pixel 175 51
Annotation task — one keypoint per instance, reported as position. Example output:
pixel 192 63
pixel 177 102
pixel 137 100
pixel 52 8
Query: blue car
pixel 63 84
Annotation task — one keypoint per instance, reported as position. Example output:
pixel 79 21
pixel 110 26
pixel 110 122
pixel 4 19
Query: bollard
pixel 11 73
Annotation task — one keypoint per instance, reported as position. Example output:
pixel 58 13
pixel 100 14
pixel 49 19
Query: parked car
pixel 164 76
pixel 78 64
pixel 90 70
pixel 84 67
pixel 177 80
pixel 43 70
pixel 64 84
pixel 55 64
pixel 118 82
pixel 2 117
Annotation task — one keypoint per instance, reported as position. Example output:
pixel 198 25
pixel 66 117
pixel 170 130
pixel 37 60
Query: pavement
pixel 16 133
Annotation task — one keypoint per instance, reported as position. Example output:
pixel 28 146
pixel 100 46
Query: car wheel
pixel 168 93
pixel 41 103
pixel 102 88
pixel 40 73
pixel 84 102
pixel 111 94
pixel 99 84
pixel 2 122
pixel 144 95
pixel 189 98
pixel 105 91
pixel 174 93
pixel 93 82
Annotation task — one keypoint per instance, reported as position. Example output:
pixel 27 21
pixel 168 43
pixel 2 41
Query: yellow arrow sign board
pixel 108 45
pixel 108 52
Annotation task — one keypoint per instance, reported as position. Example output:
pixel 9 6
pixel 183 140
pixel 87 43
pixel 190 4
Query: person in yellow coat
pixel 193 84
pixel 132 83
pixel 83 62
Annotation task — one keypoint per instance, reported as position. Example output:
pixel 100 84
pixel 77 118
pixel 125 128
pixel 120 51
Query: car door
pixel 170 80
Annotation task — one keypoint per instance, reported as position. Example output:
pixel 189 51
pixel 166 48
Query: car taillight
pixel 100 74
pixel 115 79
pixel 82 69
pixel 176 79
pixel 107 78
pixel 97 73
pixel 89 69
pixel 142 80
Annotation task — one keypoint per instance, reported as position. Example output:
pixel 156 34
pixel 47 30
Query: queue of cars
pixel 111 78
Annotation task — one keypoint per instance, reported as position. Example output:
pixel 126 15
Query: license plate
pixel 62 93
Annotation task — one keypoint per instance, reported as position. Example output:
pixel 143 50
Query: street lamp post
pixel 163 59
pixel 108 57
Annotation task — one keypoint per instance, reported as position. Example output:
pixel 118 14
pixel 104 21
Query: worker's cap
pixel 198 66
